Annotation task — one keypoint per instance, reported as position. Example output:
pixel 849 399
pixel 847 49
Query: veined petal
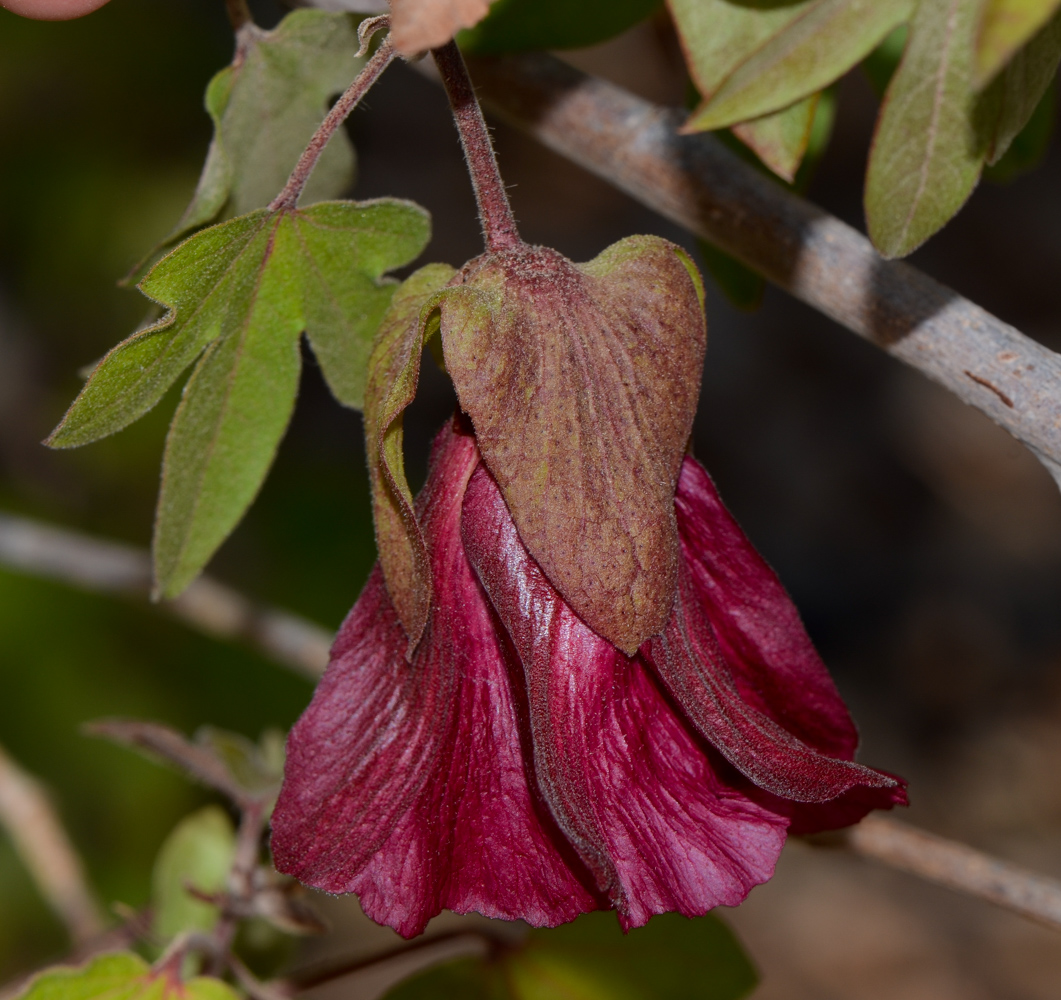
pixel 758 628
pixel 737 659
pixel 630 785
pixel 405 781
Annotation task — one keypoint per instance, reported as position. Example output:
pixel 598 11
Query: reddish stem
pixel 288 198
pixel 495 213
pixel 239 13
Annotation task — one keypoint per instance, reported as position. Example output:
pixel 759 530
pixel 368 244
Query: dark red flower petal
pixel 630 785
pixel 736 657
pixel 405 781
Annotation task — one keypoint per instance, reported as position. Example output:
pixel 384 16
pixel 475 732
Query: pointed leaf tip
pixel 582 382
pixel 780 54
pixel 928 150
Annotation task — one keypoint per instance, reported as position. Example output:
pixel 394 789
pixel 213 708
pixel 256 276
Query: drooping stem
pixel 288 197
pixel 495 213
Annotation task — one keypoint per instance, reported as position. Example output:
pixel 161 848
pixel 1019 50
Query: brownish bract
pixel 582 383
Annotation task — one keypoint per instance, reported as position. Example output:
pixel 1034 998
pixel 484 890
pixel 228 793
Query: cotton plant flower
pixel 571 683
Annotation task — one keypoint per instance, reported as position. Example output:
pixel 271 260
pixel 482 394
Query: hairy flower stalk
pixel 571 683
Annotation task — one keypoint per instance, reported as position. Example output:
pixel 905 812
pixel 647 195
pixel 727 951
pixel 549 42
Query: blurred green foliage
pixel 670 958
pixel 103 138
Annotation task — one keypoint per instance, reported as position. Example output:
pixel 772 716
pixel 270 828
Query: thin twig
pixel 495 212
pixel 44 847
pixel 240 887
pixel 211 607
pixel 370 73
pixel 479 942
pixel 198 761
pixel 699 184
pixel 957 867
pixel 252 985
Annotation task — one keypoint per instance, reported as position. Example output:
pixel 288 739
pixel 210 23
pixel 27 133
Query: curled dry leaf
pixel 582 382
pixel 393 373
pixel 419 25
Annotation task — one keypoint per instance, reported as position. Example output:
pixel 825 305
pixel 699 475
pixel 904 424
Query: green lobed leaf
pixel 1019 90
pixel 1006 26
pixel 780 139
pixel 671 958
pixel 393 373
pixel 802 56
pixel 198 853
pixel 525 25
pixel 265 107
pixel 239 294
pixel 121 976
pixel 931 141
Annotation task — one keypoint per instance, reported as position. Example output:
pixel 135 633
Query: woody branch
pixel 696 182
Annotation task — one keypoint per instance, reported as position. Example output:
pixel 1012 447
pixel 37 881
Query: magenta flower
pixel 521 766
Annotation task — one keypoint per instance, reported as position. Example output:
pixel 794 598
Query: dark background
pixel 922 545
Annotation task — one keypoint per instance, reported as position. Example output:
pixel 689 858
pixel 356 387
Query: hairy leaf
pixel 393 373
pixel 781 138
pixel 198 854
pixel 238 297
pixel 805 55
pixel 525 25
pixel 419 25
pixel 880 65
pixel 1005 26
pixel 121 976
pixel 265 107
pixel 1021 86
pixel 671 958
pixel 931 139
pixel 581 382
pixel 718 35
